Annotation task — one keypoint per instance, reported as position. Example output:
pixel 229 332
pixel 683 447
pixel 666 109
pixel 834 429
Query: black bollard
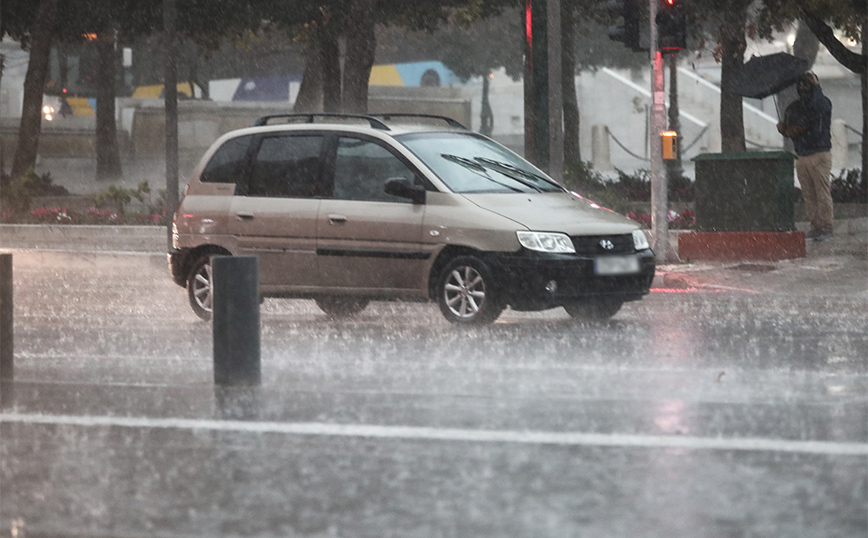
pixel 235 295
pixel 6 333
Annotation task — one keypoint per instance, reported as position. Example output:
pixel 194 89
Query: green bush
pixel 16 195
pixel 847 187
pixel 617 194
pixel 583 179
pixel 112 204
pixel 118 198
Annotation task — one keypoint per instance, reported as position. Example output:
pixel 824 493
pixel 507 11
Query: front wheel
pixel 467 293
pixel 341 307
pixel 199 289
pixel 598 309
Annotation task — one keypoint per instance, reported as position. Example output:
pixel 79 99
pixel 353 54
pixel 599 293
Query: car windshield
pixel 469 163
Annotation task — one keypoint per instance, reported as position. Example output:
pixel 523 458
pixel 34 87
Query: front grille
pixel 591 245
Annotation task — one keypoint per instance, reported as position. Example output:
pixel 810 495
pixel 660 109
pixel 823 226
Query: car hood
pixel 555 212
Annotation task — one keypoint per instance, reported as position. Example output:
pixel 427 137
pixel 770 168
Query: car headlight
pixel 546 242
pixel 640 240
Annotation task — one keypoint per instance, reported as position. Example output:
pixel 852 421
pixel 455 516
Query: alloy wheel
pixel 464 292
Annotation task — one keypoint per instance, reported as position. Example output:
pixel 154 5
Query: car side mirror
pixel 405 188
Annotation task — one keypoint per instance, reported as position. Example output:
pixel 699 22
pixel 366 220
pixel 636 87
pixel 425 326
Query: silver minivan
pixel 351 209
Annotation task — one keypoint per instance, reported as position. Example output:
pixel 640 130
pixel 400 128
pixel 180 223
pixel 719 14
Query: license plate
pixel 616 265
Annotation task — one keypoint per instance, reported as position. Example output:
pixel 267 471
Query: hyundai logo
pixel 606 244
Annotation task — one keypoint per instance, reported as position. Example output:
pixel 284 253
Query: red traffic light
pixel 671 25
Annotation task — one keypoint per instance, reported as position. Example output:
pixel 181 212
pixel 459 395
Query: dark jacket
pixel 814 112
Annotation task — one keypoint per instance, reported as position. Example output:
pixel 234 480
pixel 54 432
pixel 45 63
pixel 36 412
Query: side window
pixel 362 168
pixel 227 163
pixel 287 166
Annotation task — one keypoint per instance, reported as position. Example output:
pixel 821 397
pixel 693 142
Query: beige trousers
pixel 813 172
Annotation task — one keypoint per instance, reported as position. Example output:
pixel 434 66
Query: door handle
pixel 244 216
pixel 337 220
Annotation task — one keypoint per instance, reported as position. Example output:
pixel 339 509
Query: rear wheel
pixel 594 309
pixel 467 293
pixel 341 307
pixel 199 290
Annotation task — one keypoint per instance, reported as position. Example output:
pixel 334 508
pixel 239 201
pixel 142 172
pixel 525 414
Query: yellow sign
pixel 670 145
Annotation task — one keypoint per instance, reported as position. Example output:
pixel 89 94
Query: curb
pixel 120 238
pixel 726 246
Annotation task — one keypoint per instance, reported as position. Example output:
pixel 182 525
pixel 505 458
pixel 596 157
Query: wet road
pixel 713 413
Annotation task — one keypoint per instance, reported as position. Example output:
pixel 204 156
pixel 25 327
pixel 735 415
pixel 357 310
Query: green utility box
pixel 742 192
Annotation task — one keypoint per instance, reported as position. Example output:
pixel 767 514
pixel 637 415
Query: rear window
pixel 227 164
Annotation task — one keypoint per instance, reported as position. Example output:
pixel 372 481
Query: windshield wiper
pixel 464 161
pixel 478 169
pixel 509 169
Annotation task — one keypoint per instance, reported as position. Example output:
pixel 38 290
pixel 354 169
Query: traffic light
pixel 671 25
pixel 630 30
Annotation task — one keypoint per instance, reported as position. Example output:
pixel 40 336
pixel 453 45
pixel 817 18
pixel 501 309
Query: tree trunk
pixel 108 160
pixel 63 66
pixel 865 106
pixel 309 97
pixel 361 48
pixel 200 73
pixel 34 85
pixel 854 62
pixel 806 46
pixel 731 110
pixel 330 56
pixel 572 149
pixel 486 116
pixel 2 157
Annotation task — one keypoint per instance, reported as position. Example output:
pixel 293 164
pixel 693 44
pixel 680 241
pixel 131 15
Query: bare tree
pixel 34 82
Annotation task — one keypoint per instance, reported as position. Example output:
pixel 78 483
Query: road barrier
pixel 235 319
pixel 6 312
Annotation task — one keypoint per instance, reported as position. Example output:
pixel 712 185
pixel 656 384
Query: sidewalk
pixel 834 267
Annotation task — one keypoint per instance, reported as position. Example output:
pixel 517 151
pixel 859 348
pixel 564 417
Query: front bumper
pixel 533 280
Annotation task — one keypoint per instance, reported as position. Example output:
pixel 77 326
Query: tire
pixel 341 307
pixel 199 291
pixel 467 293
pixel 598 309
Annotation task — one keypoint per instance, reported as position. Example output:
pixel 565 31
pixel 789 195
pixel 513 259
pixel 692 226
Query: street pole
pixel 659 190
pixel 556 98
pixel 170 96
pixel 674 168
pixel 2 61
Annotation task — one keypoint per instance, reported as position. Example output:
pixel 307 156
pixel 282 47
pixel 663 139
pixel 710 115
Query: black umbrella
pixel 762 76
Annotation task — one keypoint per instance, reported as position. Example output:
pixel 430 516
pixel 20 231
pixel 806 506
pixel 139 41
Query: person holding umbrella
pixel 807 121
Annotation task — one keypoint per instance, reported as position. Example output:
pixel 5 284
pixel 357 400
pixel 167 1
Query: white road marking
pixel 450 434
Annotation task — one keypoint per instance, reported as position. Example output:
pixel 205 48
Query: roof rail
pixel 449 121
pixel 310 117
